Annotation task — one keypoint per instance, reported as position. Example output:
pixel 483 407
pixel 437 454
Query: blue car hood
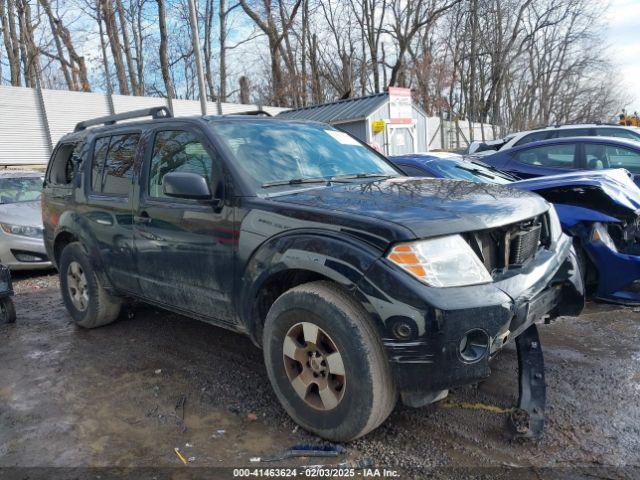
pixel 615 184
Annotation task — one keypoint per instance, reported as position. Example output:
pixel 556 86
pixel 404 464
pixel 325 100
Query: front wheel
pixel 87 301
pixel 7 310
pixel 326 362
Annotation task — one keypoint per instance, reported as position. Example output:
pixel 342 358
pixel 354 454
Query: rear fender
pixel 78 226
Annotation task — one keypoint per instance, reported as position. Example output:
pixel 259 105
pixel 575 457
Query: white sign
pixel 400 109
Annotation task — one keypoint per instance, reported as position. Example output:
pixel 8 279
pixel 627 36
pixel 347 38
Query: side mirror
pixel 186 185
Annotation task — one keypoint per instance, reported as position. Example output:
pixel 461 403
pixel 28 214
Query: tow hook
pixel 527 419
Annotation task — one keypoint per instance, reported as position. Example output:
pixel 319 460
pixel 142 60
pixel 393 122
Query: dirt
pixel 129 394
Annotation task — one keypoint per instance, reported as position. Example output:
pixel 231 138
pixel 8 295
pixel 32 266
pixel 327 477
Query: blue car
pixel 600 209
pixel 562 155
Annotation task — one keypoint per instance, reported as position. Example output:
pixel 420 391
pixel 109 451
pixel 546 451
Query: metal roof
pixel 342 110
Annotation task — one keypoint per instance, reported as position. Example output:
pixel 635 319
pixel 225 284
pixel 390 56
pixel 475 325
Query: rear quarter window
pixel 64 163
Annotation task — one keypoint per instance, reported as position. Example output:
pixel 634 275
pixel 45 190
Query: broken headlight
pixel 441 262
pixel 599 233
pixel 555 229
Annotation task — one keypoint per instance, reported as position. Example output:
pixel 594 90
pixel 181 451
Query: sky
pixel 623 37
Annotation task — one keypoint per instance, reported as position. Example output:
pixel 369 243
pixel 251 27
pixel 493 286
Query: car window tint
pixel 176 151
pixel 413 171
pixel 554 156
pixel 570 132
pixel 617 132
pixel 99 154
pixel 601 156
pixel 532 137
pixel 118 166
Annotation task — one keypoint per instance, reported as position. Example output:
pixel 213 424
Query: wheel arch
pixel 286 261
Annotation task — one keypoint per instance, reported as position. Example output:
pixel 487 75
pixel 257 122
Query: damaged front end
pixel 601 210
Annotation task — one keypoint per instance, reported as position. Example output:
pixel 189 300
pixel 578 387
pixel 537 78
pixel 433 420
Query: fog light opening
pixel 402 331
pixel 474 345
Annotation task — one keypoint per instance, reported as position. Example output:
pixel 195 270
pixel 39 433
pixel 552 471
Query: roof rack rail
pixel 155 112
pixel 253 112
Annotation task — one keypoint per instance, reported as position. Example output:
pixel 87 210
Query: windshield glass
pixel 471 171
pixel 20 189
pixel 278 153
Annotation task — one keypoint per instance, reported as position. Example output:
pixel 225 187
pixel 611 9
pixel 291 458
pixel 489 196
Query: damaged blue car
pixel 599 209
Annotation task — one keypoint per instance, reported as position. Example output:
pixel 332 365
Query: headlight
pixel 555 229
pixel 22 230
pixel 441 262
pixel 600 234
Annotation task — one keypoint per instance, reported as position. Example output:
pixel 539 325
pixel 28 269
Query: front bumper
pixel 618 273
pixel 15 249
pixel 432 361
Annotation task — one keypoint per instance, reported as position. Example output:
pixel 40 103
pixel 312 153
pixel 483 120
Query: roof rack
pixel 155 112
pixel 253 112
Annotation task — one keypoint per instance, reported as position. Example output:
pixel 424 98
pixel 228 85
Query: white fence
pixel 30 124
pixel 455 135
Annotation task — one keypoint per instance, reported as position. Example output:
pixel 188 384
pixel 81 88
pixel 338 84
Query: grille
pixel 524 245
pixel 512 245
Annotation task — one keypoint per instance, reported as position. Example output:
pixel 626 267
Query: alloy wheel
pixel 77 286
pixel 314 366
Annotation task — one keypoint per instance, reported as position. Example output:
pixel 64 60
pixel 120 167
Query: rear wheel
pixel 87 301
pixel 326 362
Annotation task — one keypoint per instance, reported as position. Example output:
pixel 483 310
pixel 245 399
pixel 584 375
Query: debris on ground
pixel 182 459
pixel 304 451
pixel 252 417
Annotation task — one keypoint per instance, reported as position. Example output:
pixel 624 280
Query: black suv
pixel 358 282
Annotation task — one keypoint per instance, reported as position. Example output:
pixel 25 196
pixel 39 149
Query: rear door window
pixel 599 156
pixel 100 150
pixel 113 163
pixel 618 133
pixel 570 132
pixel 552 156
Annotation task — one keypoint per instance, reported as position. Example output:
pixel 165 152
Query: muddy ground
pixel 128 394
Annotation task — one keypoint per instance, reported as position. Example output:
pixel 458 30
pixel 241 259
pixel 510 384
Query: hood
pixel 608 191
pixel 22 213
pixel 427 206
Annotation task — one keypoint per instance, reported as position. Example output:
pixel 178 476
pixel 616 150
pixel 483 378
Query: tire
pixel 357 401
pixel 97 307
pixel 7 310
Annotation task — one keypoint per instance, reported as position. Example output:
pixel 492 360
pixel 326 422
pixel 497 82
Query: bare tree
pixel 265 18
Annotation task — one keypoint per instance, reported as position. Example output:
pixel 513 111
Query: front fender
pixel 341 259
pixel 571 215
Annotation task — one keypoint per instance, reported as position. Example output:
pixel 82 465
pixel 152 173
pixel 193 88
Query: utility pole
pixel 196 50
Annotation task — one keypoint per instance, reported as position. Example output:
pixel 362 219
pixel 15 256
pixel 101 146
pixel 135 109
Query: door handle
pixel 142 218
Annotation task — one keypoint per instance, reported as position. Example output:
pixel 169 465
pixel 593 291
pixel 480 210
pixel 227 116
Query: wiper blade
pixel 361 175
pixel 476 171
pixel 296 181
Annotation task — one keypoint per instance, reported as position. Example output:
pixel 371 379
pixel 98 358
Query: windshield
pixel 281 154
pixel 471 171
pixel 20 189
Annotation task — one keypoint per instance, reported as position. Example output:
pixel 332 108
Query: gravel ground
pixel 128 394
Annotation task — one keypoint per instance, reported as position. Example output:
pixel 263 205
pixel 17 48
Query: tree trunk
pixel 244 90
pixel 135 87
pixel 164 60
pixel 10 37
pixel 114 42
